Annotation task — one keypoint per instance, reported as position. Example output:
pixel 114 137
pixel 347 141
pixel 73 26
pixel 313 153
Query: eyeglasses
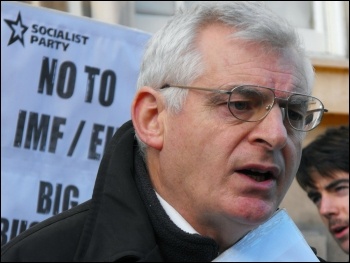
pixel 253 103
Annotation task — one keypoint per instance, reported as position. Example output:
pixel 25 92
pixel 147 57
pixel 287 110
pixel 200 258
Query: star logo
pixel 18 30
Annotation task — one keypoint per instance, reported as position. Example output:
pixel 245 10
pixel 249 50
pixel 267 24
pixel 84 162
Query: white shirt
pixel 176 217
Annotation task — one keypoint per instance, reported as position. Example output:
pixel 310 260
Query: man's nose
pixel 273 127
pixel 327 206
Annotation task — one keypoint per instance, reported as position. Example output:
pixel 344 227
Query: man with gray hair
pixel 222 106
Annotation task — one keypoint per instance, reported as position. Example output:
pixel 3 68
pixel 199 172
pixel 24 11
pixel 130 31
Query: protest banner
pixel 67 83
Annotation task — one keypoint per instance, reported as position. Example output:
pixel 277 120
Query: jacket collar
pixel 107 236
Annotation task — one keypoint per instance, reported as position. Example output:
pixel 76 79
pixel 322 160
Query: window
pixel 320 24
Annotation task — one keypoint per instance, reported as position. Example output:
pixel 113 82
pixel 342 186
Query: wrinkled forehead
pixel 294 62
pixel 304 69
pixel 252 62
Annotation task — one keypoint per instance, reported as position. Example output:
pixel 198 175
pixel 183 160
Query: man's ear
pixel 146 111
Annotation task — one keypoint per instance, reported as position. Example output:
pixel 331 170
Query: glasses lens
pixel 304 112
pixel 250 103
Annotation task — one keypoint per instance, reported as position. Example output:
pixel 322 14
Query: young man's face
pixel 331 196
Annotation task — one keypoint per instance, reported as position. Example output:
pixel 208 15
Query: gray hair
pixel 172 56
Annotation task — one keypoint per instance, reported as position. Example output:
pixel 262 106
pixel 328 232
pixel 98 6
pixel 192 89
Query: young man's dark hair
pixel 328 153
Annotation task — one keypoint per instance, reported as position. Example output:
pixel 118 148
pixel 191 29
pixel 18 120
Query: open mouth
pixel 339 229
pixel 257 175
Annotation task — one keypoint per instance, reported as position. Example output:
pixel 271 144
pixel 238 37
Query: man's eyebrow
pixel 313 191
pixel 217 97
pixel 335 183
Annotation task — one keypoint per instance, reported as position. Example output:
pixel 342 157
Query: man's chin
pixel 344 245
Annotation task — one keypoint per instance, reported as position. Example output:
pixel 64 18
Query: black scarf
pixel 175 244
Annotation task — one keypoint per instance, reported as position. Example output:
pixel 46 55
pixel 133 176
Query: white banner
pixel 67 84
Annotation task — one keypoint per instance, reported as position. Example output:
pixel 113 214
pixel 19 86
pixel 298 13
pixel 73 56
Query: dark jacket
pixel 94 230
pixel 115 225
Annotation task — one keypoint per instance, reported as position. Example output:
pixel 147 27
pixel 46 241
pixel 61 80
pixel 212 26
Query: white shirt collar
pixel 176 217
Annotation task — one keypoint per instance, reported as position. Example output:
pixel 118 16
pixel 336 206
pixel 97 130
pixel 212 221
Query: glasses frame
pixel 285 100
